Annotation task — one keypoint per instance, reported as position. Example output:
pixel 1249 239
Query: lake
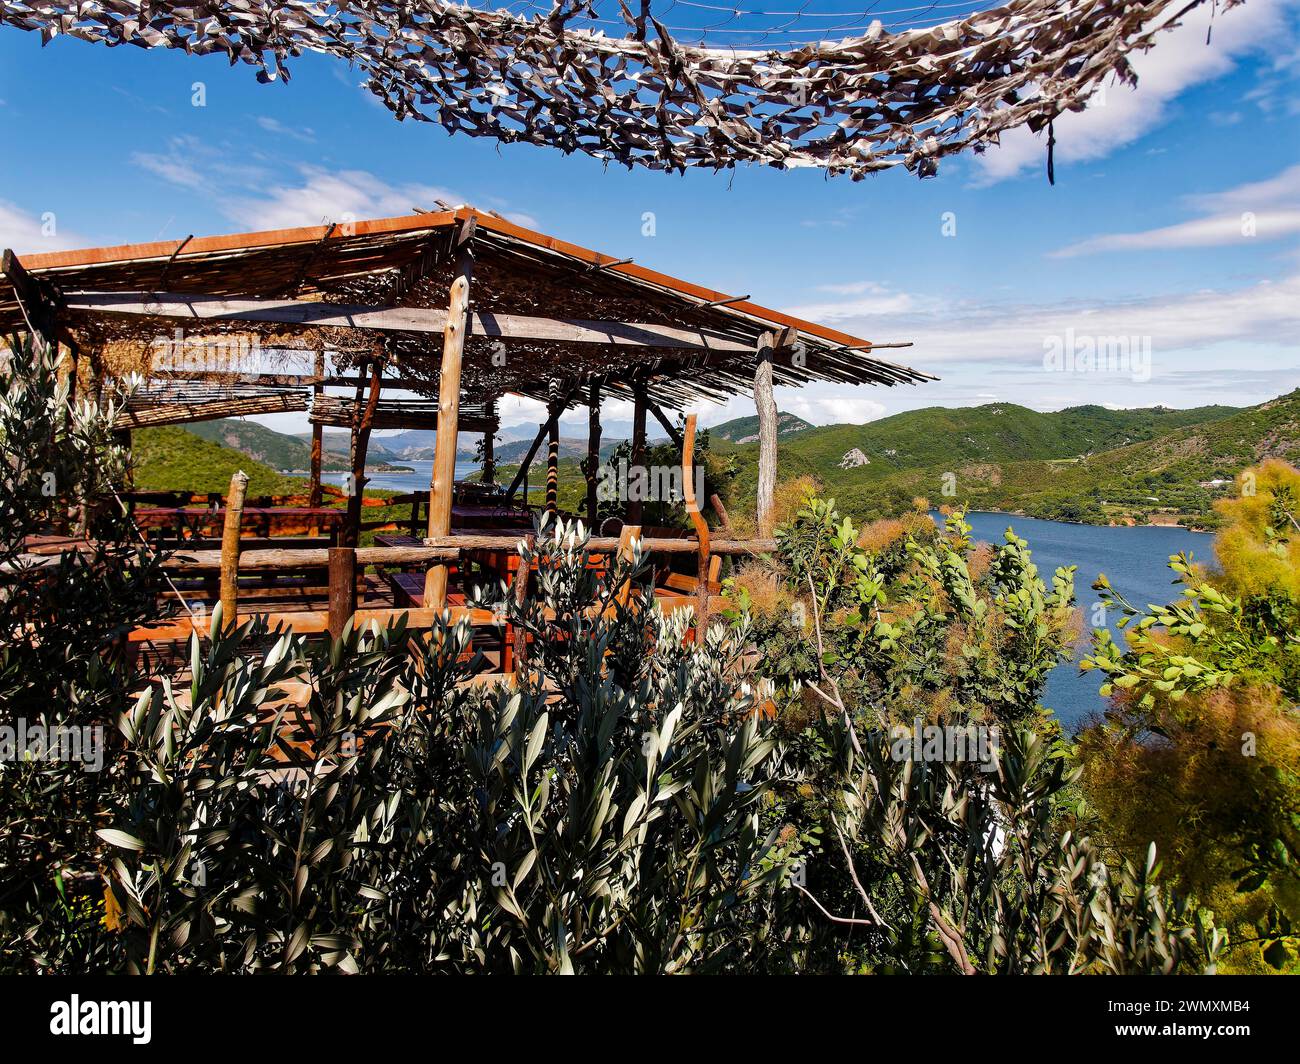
pixel 1135 560
pixel 405 482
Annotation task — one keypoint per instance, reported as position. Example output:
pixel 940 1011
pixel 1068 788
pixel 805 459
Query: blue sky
pixel 1174 220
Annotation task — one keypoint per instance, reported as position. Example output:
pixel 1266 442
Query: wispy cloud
pixel 274 125
pixel 251 198
pixel 1264 313
pixel 26 233
pixel 1179 60
pixel 1260 210
pixel 326 194
pixel 862 299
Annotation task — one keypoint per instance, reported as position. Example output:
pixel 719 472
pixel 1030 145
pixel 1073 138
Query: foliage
pixel 360 808
pixel 911 861
pixel 1004 457
pixel 1201 746
pixel 169 458
pixel 278 450
pixel 361 805
pixel 63 667
pixel 912 618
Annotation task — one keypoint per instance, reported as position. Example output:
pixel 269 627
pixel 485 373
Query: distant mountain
pixel 282 451
pixel 743 430
pixel 169 458
pixel 1084 463
pixel 276 449
pixel 996 432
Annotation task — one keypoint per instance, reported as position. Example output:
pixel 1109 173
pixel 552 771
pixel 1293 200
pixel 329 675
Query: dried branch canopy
pixel 852 106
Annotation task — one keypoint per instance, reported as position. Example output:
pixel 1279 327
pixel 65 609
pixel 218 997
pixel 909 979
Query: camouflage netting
pixel 851 106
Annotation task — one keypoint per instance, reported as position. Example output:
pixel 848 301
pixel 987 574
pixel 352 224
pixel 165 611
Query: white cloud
pixel 1259 210
pixel 246 196
pixel 29 234
pixel 1120 115
pixel 172 169
pixel 274 125
pixel 865 300
pixel 1198 233
pixel 1265 313
pixel 325 194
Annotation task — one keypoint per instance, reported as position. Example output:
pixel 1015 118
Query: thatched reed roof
pixel 366 279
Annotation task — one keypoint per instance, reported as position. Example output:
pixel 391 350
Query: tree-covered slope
pixel 171 458
pixel 1175 476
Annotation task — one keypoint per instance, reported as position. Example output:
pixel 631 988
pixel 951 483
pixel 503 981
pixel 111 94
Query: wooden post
pixel 521 477
pixel 230 551
pixel 701 530
pixel 593 455
pixel 520 589
pixel 553 454
pixel 635 508
pixel 765 404
pixel 625 538
pixel 443 482
pixel 317 439
pixel 343 588
pixel 351 534
pixel 489 447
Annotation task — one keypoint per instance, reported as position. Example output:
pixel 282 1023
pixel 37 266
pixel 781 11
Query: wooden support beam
pixel 489 447
pixel 343 588
pixel 626 537
pixel 442 484
pixel 704 558
pixel 350 534
pixel 592 465
pixel 38 308
pixel 635 509
pixel 444 548
pixel 230 550
pixel 667 425
pixel 317 442
pixel 402 319
pixel 553 415
pixel 519 633
pixel 183 413
pixel 553 453
pixel 765 404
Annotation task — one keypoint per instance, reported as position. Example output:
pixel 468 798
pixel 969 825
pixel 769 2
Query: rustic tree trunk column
pixel 489 447
pixel 593 455
pixel 351 533
pixel 635 507
pixel 342 588
pixel 317 438
pixel 230 551
pixel 765 404
pixel 553 454
pixel 703 557
pixel 443 482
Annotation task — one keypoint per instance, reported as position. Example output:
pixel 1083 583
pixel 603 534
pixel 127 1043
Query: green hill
pixel 744 430
pixel 277 449
pixel 171 458
pixel 1174 475
pixel 997 432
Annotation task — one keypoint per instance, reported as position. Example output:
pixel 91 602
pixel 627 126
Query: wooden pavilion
pixel 452 309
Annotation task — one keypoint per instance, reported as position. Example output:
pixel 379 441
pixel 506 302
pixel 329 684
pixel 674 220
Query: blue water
pixel 1135 560
pixel 405 482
